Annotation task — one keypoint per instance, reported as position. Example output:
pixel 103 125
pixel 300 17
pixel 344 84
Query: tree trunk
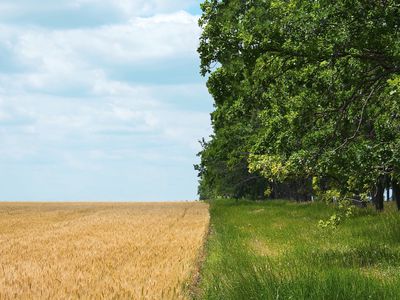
pixel 396 193
pixel 378 197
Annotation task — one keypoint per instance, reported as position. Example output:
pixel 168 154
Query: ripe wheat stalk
pixel 99 251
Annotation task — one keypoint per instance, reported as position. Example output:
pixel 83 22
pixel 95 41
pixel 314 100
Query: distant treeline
pixel 306 97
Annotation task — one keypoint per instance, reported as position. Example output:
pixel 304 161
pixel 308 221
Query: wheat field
pixel 100 250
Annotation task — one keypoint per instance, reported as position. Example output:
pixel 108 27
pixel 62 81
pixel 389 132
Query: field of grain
pixel 99 250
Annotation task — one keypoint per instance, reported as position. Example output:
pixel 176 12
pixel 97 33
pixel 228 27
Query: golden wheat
pixel 99 251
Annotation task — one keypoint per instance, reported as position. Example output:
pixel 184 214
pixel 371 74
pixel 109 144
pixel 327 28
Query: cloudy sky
pixel 100 100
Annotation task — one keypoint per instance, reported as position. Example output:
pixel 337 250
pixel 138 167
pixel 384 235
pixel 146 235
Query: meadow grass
pixel 275 250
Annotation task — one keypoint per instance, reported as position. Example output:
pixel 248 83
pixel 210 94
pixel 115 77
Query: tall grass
pixel 275 250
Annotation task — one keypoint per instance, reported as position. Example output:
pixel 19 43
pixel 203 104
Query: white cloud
pixel 124 8
pixel 138 7
pixel 62 102
pixel 59 62
pixel 66 59
pixel 127 120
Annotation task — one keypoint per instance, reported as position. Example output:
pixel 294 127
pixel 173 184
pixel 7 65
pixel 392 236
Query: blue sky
pixel 100 100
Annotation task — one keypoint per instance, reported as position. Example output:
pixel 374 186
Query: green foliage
pixel 273 250
pixel 344 210
pixel 271 167
pixel 302 89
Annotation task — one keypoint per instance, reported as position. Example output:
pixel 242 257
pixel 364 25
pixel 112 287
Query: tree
pixel 316 84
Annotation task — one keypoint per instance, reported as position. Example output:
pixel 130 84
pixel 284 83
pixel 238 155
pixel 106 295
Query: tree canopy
pixel 307 98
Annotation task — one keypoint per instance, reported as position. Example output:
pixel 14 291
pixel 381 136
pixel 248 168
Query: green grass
pixel 275 250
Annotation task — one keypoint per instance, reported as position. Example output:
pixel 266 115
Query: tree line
pixel 306 97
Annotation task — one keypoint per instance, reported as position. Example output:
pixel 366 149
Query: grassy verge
pixel 275 250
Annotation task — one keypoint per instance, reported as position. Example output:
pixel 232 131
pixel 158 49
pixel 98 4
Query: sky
pixel 100 100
